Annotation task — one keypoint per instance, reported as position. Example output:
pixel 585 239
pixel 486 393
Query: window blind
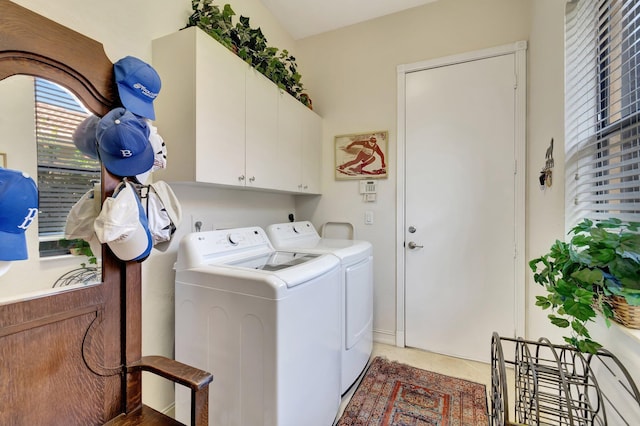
pixel 602 110
pixel 64 173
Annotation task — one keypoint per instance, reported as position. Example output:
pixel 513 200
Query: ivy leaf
pixel 607 311
pixel 559 322
pixel 579 328
pixel 583 226
pixel 588 346
pixel 543 302
pixel 584 295
pixel 581 311
pixel 565 289
pixel 588 276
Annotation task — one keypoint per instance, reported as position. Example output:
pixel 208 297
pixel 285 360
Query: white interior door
pixel 460 195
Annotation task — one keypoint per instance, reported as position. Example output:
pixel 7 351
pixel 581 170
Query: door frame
pixel 519 50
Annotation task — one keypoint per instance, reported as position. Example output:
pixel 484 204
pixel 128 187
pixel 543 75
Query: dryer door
pixel 358 301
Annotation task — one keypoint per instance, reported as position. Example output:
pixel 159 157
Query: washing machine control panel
pixel 245 237
pixel 292 233
pixel 201 248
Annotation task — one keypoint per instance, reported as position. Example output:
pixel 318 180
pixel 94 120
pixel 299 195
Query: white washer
pixel 265 323
pixel 356 259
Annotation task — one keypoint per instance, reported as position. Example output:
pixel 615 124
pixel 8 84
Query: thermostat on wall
pixel 368 187
pixel 368 190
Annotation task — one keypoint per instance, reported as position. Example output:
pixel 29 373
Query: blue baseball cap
pixel 84 137
pixel 138 85
pixel 123 143
pixel 18 208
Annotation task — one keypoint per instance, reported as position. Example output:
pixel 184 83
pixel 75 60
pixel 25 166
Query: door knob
pixel 413 245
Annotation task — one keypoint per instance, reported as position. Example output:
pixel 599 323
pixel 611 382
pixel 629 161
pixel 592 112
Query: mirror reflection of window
pixel 65 173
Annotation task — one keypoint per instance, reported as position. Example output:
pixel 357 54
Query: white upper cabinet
pixel 261 131
pixel 225 123
pixel 311 152
pixel 290 142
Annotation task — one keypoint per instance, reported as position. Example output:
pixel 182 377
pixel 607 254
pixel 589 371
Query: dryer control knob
pixel 234 239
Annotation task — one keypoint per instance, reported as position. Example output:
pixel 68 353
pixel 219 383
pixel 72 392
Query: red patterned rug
pixel 392 393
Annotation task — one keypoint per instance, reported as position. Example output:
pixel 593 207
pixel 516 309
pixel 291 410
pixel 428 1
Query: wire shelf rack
pixel 558 385
pixel 84 275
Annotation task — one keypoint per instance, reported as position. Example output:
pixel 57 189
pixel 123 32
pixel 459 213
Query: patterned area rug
pixel 392 393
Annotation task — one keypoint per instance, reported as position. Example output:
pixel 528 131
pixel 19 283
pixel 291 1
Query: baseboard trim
pixel 384 336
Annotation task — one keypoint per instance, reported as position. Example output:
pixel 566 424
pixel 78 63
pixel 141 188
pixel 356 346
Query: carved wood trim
pixel 39 322
pixel 31 44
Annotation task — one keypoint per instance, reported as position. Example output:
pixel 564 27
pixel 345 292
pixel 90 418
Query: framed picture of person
pixel 362 155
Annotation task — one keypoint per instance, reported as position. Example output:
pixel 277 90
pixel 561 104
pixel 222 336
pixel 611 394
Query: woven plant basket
pixel 625 314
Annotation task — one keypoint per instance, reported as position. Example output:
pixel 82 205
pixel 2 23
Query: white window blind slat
pixel 602 110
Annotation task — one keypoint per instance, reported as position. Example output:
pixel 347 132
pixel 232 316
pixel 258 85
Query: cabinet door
pixel 289 143
pixel 311 152
pixel 262 167
pixel 220 114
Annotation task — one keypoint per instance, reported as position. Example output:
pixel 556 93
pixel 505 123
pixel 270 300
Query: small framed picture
pixel 362 155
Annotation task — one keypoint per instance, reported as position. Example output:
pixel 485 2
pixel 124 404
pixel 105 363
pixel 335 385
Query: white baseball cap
pixel 122 225
pixel 164 213
pixel 80 221
pixel 159 153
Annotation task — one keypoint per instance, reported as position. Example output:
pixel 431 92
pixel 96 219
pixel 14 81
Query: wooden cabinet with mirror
pixel 74 357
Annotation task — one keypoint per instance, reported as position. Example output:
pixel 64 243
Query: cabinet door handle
pixel 252 179
pixel 241 178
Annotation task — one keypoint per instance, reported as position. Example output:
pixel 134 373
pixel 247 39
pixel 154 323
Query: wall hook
pixel 546 173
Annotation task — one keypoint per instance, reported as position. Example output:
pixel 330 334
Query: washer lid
pixel 275 261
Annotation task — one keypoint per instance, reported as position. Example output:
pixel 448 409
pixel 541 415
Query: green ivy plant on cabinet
pixel 250 44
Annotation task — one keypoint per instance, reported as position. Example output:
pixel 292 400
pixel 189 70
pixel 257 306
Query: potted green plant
pixel 600 262
pixel 79 247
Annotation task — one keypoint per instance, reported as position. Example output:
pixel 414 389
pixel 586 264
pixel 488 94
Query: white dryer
pixel 265 323
pixel 356 305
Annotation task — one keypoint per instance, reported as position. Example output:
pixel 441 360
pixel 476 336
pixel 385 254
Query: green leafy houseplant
pixel 602 259
pixel 250 44
pixel 215 22
pixel 79 247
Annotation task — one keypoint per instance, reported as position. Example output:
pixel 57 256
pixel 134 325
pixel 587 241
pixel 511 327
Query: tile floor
pixel 469 370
